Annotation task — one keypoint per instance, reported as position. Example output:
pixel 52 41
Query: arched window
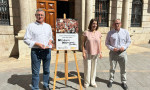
pixel 102 12
pixel 136 16
pixel 4 12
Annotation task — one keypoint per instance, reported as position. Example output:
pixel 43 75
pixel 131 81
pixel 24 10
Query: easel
pixel 66 68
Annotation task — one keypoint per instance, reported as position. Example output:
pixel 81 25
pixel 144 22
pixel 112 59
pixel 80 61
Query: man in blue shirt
pixel 39 38
pixel 117 41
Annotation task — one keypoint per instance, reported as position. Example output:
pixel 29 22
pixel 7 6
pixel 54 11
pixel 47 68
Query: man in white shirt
pixel 117 41
pixel 39 38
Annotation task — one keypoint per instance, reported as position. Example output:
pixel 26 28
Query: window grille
pixel 136 16
pixel 4 12
pixel 102 12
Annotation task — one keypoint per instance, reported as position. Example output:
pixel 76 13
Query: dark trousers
pixel 36 56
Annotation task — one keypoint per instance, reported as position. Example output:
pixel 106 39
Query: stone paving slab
pixel 16 75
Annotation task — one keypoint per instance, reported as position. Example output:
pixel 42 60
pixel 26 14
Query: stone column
pixel 88 12
pixel 26 15
pixel 83 15
pixel 125 14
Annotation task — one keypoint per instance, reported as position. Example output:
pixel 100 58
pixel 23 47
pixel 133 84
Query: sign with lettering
pixel 67 41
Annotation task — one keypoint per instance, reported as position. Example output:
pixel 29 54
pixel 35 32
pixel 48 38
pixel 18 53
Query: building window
pixel 102 12
pixel 136 16
pixel 4 12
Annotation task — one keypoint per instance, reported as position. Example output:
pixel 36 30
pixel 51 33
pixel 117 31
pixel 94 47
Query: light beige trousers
pixel 90 64
pixel 120 58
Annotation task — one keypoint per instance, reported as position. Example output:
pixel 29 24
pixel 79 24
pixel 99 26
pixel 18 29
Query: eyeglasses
pixel 39 15
pixel 117 23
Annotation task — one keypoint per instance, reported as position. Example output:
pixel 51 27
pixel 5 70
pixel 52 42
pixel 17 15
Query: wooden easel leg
pixel 55 70
pixel 77 70
pixel 66 67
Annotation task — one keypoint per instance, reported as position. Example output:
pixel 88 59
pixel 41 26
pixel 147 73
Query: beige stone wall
pixel 7 37
pixel 7 41
pixel 10 45
pixel 7 33
pixel 141 35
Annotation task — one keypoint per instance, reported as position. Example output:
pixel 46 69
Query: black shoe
pixel 124 86
pixel 109 84
pixel 47 88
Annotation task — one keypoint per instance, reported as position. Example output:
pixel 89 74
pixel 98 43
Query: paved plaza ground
pixel 16 74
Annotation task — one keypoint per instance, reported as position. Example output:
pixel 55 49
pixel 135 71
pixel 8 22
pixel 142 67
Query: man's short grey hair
pixel 38 10
pixel 117 19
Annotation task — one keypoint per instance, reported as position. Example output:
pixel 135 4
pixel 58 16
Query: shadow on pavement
pixel 73 73
pixel 24 81
pixel 106 81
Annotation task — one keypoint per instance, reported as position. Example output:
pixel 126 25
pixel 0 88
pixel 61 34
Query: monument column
pixel 27 11
pixel 24 17
pixel 125 14
pixel 88 12
pixel 24 13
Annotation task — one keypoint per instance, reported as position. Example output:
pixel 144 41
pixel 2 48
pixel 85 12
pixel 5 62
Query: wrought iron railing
pixel 102 11
pixel 4 12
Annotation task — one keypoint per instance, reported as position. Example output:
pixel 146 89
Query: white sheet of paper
pixel 50 46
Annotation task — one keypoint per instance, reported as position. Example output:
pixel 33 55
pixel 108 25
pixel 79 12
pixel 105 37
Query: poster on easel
pixel 67 34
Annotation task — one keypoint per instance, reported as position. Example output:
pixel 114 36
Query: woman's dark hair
pixel 91 22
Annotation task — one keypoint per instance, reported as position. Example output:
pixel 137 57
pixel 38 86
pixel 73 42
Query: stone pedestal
pixel 24 50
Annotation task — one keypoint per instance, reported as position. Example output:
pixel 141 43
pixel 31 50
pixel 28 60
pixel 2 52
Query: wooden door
pixel 49 6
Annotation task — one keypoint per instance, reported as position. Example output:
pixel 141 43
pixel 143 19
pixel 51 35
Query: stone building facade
pixel 21 13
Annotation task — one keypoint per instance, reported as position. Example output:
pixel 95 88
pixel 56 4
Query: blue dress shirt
pixel 118 39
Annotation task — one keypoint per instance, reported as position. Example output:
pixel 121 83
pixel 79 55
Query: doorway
pixel 67 7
